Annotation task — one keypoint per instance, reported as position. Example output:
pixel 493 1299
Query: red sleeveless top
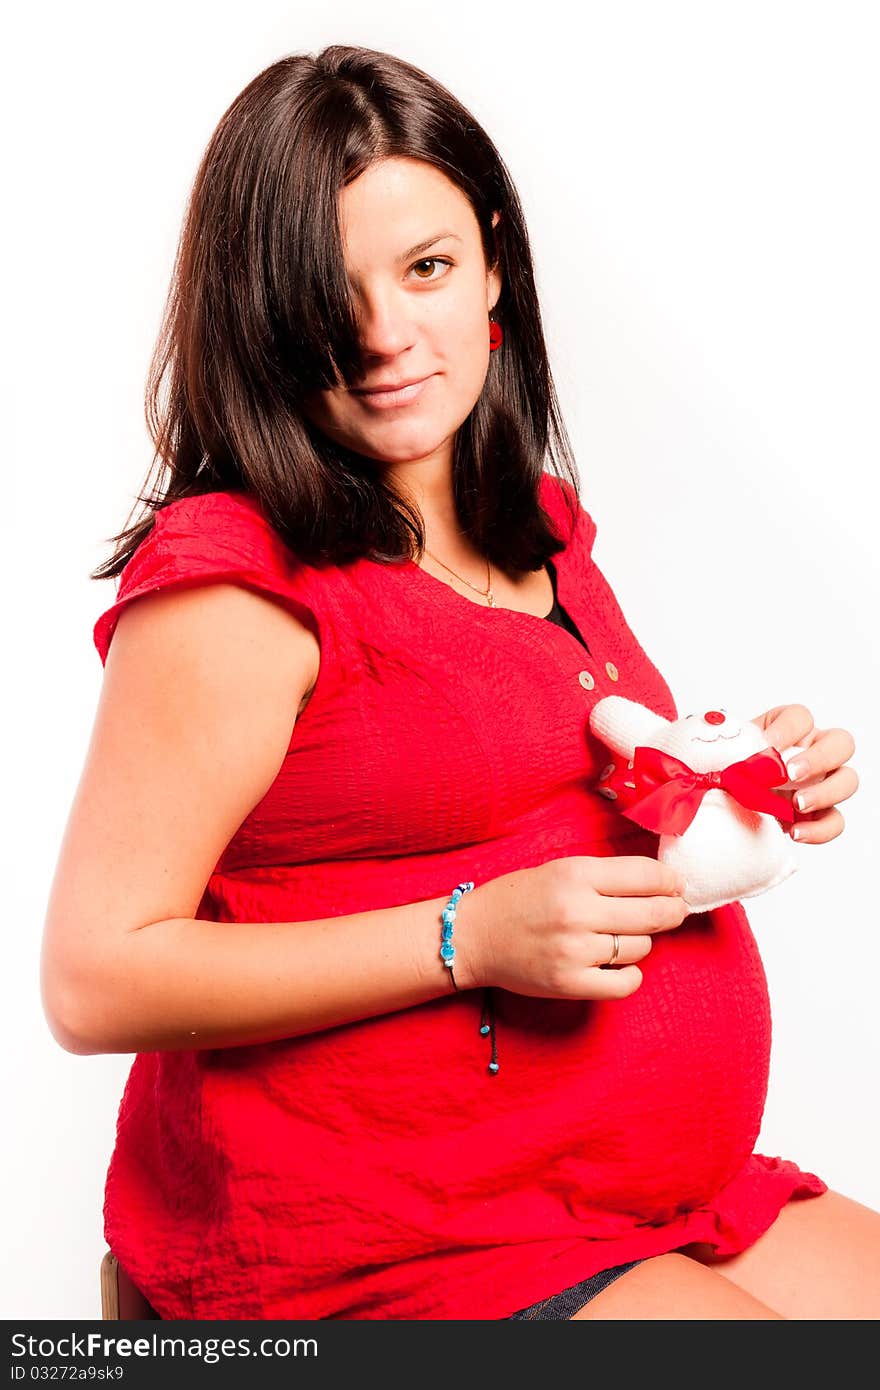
pixel 379 1170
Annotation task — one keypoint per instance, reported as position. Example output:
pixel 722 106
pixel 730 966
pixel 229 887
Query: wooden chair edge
pixel 121 1299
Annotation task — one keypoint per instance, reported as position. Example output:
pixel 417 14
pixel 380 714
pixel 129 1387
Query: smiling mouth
pixel 386 400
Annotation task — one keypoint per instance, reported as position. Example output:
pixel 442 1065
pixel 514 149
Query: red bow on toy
pixel 663 794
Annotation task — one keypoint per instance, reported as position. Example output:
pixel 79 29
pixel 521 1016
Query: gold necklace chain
pixel 486 593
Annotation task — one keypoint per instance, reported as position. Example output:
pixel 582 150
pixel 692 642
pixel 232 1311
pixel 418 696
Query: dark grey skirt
pixel 567 1303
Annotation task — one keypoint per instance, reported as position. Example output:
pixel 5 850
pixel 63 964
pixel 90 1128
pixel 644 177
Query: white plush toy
pixel 709 785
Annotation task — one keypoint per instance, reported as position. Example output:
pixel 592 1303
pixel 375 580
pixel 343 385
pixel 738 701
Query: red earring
pixel 495 335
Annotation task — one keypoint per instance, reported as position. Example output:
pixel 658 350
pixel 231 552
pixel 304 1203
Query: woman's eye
pixel 430 261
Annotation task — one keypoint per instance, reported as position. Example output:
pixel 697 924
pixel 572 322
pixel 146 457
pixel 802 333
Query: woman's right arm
pixel 193 723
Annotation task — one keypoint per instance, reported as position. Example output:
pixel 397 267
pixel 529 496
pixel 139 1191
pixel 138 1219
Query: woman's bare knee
pixel 676 1287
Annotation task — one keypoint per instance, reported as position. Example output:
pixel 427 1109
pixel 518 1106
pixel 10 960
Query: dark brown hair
pixel 259 314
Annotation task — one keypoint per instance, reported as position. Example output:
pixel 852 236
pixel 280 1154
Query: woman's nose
pixel 384 327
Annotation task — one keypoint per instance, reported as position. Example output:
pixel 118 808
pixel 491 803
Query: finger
pixel 611 984
pixel 630 949
pixel 834 748
pixel 792 724
pixel 630 916
pixel 818 828
pixel 826 791
pixel 632 875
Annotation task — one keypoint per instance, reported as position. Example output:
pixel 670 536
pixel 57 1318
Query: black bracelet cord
pixel 447 952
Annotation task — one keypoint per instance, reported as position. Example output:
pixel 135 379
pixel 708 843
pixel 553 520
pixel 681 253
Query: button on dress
pixel 379 1170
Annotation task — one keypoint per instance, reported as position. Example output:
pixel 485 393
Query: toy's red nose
pixel 714 716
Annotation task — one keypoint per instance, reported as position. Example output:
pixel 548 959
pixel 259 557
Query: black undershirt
pixel 558 614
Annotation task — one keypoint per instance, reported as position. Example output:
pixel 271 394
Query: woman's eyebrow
pixel 424 245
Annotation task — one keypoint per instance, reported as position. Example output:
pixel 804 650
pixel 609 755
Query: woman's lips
pixel 388 400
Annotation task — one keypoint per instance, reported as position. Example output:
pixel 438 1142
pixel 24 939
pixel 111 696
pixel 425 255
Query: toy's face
pixel 710 740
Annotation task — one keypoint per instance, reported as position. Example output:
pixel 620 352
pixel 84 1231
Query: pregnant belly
pixel 607 1114
pixel 666 1089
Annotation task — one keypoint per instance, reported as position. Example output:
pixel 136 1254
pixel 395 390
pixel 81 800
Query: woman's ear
pixel 494 277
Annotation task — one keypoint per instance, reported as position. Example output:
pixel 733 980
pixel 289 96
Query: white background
pixel 699 181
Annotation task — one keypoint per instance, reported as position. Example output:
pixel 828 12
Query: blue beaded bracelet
pixel 447 950
pixel 447 954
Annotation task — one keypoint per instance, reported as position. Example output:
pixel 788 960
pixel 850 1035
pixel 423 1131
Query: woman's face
pixel 423 312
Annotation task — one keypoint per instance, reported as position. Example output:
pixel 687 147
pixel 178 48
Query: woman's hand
pixel 820 774
pixel 553 930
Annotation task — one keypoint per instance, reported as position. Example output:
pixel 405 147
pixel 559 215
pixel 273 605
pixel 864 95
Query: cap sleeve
pixel 200 540
pixel 554 493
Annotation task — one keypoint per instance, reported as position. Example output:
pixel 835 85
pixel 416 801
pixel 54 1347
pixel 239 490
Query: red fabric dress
pixel 378 1170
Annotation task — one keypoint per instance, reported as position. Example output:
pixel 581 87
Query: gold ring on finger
pixel 616 951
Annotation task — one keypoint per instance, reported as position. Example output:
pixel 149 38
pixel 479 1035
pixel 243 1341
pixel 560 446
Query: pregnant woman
pixel 423 1029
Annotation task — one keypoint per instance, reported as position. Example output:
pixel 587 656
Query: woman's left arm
pixel 820 771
